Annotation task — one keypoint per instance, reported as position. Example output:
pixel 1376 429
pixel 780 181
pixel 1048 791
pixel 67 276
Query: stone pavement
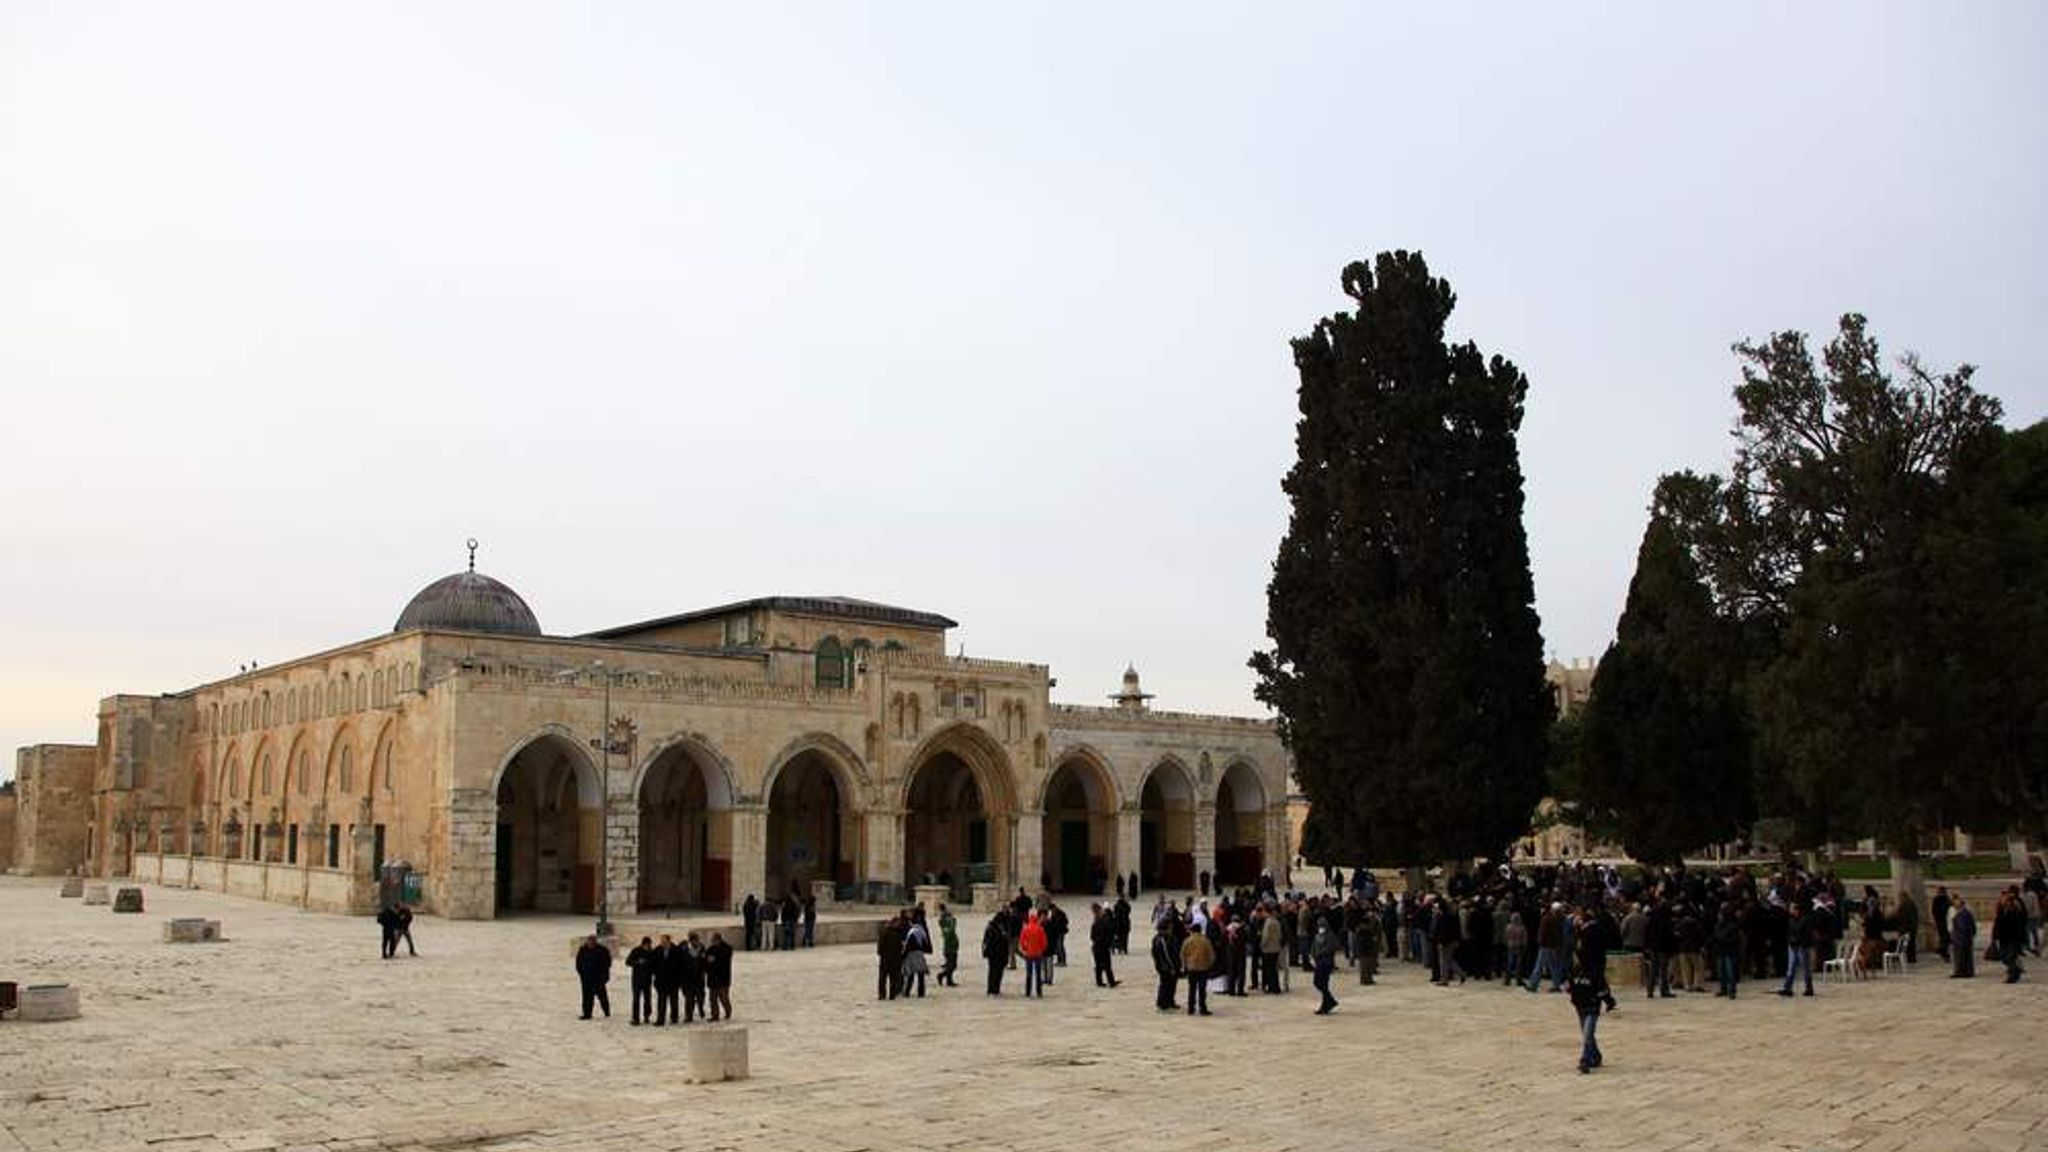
pixel 295 1035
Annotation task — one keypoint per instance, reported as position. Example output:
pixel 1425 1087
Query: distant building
pixel 685 761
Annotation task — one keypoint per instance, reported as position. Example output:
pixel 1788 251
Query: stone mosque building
pixel 679 762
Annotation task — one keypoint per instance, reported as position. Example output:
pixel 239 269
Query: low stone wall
pixel 319 889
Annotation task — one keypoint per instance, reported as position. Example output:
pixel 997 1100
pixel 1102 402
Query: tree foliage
pixel 1663 764
pixel 1864 545
pixel 1406 664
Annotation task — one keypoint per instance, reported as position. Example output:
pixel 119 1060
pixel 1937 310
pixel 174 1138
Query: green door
pixel 1074 855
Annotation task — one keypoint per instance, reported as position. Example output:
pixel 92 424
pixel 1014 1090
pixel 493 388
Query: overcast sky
pixel 980 313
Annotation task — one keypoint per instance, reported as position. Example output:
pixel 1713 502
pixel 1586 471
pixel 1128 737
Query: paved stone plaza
pixel 294 1034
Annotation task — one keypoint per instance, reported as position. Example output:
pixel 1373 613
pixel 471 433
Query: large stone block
pixel 192 930
pixel 128 900
pixel 46 1002
pixel 74 887
pixel 96 894
pixel 714 1054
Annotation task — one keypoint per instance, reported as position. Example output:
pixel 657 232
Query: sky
pixel 977 309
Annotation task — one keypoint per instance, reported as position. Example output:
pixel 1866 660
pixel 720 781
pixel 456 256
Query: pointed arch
pixel 1099 772
pixel 339 777
pixel 993 772
pixel 849 769
pixel 721 780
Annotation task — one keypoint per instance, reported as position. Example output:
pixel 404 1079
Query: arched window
pixel 408 680
pixel 362 693
pixel 386 773
pixel 266 709
pixel 377 688
pixel 348 769
pixel 302 771
pixel 234 778
pixel 263 774
pixel 831 663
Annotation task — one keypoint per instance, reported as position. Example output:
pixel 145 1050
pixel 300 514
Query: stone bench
pixel 47 1002
pixel 713 1054
pixel 74 887
pixel 128 900
pixel 192 930
pixel 96 894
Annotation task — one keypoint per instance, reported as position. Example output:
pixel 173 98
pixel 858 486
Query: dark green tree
pixel 1663 764
pixel 1406 664
pixel 1862 531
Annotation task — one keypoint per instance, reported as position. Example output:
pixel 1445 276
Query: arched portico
pixel 958 807
pixel 1240 825
pixel 545 851
pixel 813 798
pixel 1166 826
pixel 1079 827
pixel 685 800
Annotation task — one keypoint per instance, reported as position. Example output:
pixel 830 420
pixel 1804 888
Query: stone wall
pixel 53 808
pixel 9 808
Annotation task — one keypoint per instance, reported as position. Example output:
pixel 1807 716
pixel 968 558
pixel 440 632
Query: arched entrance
pixel 1079 829
pixel 1240 825
pixel 685 831
pixel 548 811
pixel 1166 827
pixel 810 834
pixel 956 826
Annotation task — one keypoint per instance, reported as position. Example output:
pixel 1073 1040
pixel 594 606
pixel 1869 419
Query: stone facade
pixel 53 801
pixel 684 762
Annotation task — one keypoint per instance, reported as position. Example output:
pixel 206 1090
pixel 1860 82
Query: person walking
pixel 1197 957
pixel 1322 952
pixel 750 922
pixel 1101 943
pixel 1270 944
pixel 1962 939
pixel 1550 956
pixel 593 972
pixel 387 921
pixel 949 945
pixel 995 949
pixel 1798 949
pixel 1166 963
pixel 810 921
pixel 1033 945
pixel 718 976
pixel 640 963
pixel 917 944
pixel 1940 907
pixel 2009 933
pixel 1586 988
pixel 404 930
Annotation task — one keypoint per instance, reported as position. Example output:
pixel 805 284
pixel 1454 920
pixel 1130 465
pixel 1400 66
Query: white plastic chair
pixel 1896 954
pixel 1839 966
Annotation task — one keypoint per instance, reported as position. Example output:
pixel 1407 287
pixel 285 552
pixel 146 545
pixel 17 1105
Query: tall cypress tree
pixel 1664 762
pixel 1406 664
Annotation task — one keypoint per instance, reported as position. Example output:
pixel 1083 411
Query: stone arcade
pixel 778 742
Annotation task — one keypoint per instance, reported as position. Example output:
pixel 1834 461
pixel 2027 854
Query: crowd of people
pixel 674 981
pixel 1687 930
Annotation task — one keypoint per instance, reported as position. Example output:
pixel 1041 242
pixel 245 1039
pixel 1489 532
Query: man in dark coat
pixel 1962 940
pixel 1101 942
pixel 1940 909
pixel 690 977
pixel 593 972
pixel 718 976
pixel 668 981
pixel 995 949
pixel 1166 962
pixel 750 919
pixel 792 911
pixel 1122 912
pixel 387 919
pixel 889 958
pixel 641 962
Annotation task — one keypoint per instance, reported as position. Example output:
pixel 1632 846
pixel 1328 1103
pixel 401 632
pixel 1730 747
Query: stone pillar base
pixel 74 887
pixel 714 1054
pixel 824 893
pixel 96 894
pixel 128 900
pixel 929 897
pixel 184 930
pixel 987 898
pixel 45 1002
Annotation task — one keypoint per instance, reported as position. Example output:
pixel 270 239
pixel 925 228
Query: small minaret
pixel 1131 699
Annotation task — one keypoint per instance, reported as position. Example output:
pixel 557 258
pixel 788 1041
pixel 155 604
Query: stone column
pixel 749 852
pixel 470 891
pixel 1278 855
pixel 1205 842
pixel 622 858
pixel 1129 842
pixel 1028 835
pixel 883 860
